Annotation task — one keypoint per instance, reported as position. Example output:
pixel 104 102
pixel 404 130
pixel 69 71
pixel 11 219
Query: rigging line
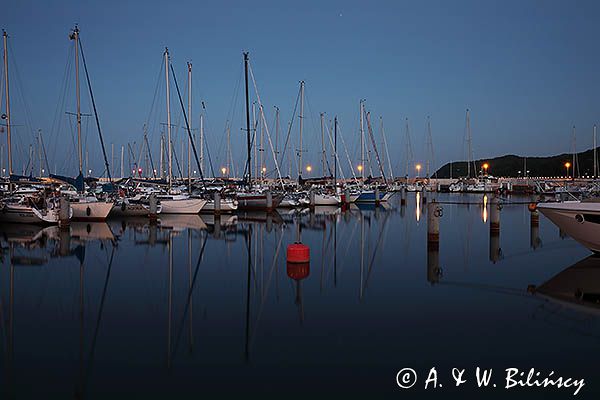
pixel 99 318
pixel 379 239
pixel 268 284
pixel 176 159
pixel 44 151
pixel 266 127
pixel 87 76
pixel 375 147
pixel 346 151
pixel 189 296
pixel 60 105
pixel 312 114
pixel 334 153
pixel 150 156
pixel 21 90
pixel 387 152
pixel 156 88
pixel 333 149
pixel 187 125
pixel 205 142
pixel 290 125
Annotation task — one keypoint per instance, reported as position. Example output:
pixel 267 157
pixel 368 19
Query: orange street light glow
pixel 308 168
pixel 360 167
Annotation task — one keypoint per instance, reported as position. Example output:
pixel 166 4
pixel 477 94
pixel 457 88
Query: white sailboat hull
pixel 22 214
pixel 132 210
pixel 326 200
pixel 227 206
pixel 182 206
pixel 91 210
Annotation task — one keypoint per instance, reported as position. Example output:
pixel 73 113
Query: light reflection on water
pixel 187 306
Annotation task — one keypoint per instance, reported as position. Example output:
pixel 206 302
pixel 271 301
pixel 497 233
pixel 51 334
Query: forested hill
pixel 513 166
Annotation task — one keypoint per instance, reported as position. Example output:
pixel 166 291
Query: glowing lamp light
pixel 223 170
pixel 486 166
pixel 139 170
pixel 308 168
pixel 264 169
pixel 360 168
pixel 568 165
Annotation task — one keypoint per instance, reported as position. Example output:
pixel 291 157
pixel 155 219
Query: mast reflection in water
pixel 204 306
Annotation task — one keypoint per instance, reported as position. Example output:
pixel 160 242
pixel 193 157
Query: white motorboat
pixel 578 219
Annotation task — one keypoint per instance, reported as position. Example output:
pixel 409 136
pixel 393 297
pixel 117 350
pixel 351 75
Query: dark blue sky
pixel 528 70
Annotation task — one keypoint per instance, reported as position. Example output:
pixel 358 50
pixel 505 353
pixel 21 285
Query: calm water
pixel 187 308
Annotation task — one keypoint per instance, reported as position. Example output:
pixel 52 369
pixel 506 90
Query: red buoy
pixel 298 271
pixel 298 253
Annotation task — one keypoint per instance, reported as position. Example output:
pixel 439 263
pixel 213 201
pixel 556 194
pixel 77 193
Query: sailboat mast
pixel 429 146
pixel 255 146
pixel 202 142
pixel 122 161
pixel 322 145
pixel 407 149
pixel 7 114
pixel 335 153
pixel 595 158
pixel 249 148
pixel 169 143
pixel 75 37
pixel 362 142
pixel 574 151
pixel 228 168
pixel 301 126
pixel 468 145
pixel 189 155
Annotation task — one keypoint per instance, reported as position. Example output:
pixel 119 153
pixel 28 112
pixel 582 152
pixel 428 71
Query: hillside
pixel 510 165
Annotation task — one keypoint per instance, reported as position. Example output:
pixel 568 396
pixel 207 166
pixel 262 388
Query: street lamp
pixel 308 168
pixel 223 170
pixel 360 168
pixel 418 169
pixel 485 167
pixel 567 166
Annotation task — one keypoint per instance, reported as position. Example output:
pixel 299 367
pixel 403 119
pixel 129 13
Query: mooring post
pixel 534 220
pixel 153 212
pixel 433 226
pixel 269 201
pixel 494 230
pixel 217 200
pixel 64 213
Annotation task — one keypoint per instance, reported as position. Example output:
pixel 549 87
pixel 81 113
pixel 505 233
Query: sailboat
pixel 252 198
pixel 85 207
pixel 173 202
pixel 24 207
